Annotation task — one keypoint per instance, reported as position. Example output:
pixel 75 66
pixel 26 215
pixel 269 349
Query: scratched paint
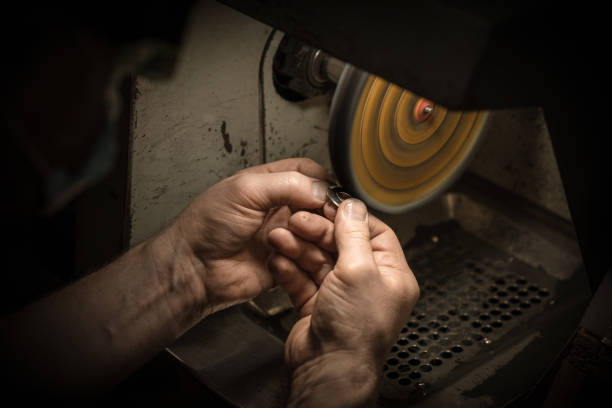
pixel 226 138
pixel 186 130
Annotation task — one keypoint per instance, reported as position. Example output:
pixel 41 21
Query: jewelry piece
pixel 336 195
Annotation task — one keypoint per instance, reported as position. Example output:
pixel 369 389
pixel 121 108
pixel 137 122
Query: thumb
pixel 262 191
pixel 352 235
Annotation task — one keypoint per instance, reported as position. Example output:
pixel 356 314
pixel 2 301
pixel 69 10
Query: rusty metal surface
pixel 478 305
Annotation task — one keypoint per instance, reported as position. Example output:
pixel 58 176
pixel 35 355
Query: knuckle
pixel 293 181
pixel 357 266
pixel 300 217
pixel 308 161
pixel 357 234
pixel 242 182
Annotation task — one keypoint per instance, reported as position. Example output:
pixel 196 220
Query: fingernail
pixel 355 210
pixel 330 210
pixel 319 190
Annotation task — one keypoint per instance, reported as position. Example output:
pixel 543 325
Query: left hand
pixel 222 235
pixel 351 309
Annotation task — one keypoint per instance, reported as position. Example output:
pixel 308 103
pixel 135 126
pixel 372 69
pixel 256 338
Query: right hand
pixel 351 312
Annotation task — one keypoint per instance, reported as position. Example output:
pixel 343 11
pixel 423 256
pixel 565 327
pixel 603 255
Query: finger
pixel 330 210
pixel 377 227
pixel 352 233
pixel 308 307
pixel 314 228
pixel 292 280
pixel 276 218
pixel 263 191
pixel 305 166
pixel 306 255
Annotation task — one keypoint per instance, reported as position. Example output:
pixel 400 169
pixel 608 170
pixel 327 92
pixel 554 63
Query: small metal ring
pixel 336 195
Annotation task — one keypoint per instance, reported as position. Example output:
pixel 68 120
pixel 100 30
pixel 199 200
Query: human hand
pixel 351 312
pixel 221 237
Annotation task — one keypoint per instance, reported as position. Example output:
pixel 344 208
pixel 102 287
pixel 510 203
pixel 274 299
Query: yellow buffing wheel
pixel 394 149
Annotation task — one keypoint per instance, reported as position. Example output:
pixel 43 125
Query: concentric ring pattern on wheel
pixel 394 149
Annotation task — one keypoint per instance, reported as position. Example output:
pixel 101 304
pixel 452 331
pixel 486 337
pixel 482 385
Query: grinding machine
pixel 509 289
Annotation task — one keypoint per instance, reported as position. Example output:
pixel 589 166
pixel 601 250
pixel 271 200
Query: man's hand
pixel 92 333
pixel 351 312
pixel 222 236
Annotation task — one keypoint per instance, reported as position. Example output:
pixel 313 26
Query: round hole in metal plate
pixel 404 381
pixel 392 375
pixel 457 349
pixel 414 362
pixel 413 349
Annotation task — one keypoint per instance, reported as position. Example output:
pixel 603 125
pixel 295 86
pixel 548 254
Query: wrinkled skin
pixel 351 308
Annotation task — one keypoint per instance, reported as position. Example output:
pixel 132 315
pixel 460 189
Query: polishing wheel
pixel 394 149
